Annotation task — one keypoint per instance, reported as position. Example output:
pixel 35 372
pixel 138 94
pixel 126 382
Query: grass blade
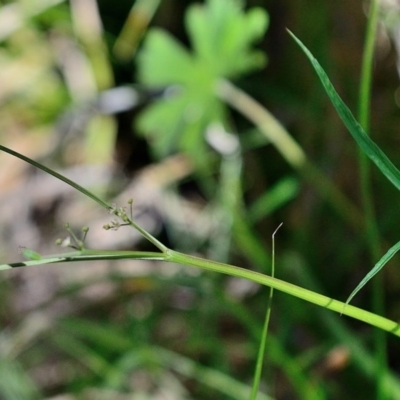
pixel 369 147
pixel 378 266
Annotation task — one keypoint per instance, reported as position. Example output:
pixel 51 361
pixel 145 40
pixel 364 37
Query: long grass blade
pixel 369 147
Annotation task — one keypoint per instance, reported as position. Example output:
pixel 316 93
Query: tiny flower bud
pixel 113 208
pixel 66 242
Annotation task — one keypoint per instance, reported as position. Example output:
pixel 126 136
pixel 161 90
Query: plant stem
pixel 264 333
pixel 89 194
pixel 87 255
pixel 296 291
pixel 371 232
pixel 208 265
pixel 81 189
pixel 148 236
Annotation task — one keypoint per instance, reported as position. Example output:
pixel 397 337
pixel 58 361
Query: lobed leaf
pixel 163 61
pixel 221 35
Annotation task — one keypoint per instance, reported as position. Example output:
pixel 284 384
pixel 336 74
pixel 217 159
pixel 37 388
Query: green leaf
pixel 163 61
pixel 274 198
pixel 179 122
pixel 31 254
pixel 368 146
pixel 166 111
pixel 221 35
pixel 378 266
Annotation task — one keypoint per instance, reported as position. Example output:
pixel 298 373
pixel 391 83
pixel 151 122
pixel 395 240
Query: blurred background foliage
pixel 120 96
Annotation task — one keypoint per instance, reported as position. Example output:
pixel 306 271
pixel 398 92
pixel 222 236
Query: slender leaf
pixel 378 266
pixel 369 147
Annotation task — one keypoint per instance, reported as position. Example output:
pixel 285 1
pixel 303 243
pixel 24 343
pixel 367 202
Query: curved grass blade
pixel 378 266
pixel 369 147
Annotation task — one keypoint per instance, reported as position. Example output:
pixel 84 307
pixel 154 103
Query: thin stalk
pixel 148 236
pixel 81 189
pixel 208 265
pixel 264 333
pixel 87 255
pixel 371 231
pixel 293 290
pixel 89 194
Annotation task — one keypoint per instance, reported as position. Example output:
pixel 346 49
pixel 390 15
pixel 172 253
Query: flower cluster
pixel 120 212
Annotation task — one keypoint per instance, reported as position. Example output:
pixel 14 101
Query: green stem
pixel 296 291
pixel 208 265
pixel 58 176
pixel 89 194
pixel 148 236
pixel 88 255
pixel 372 232
pixel 367 64
pixel 264 333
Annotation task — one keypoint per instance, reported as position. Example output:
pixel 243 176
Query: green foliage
pixel 263 340
pixel 15 382
pixel 377 267
pixel 31 254
pixel 221 35
pixel 367 145
pixel 132 332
